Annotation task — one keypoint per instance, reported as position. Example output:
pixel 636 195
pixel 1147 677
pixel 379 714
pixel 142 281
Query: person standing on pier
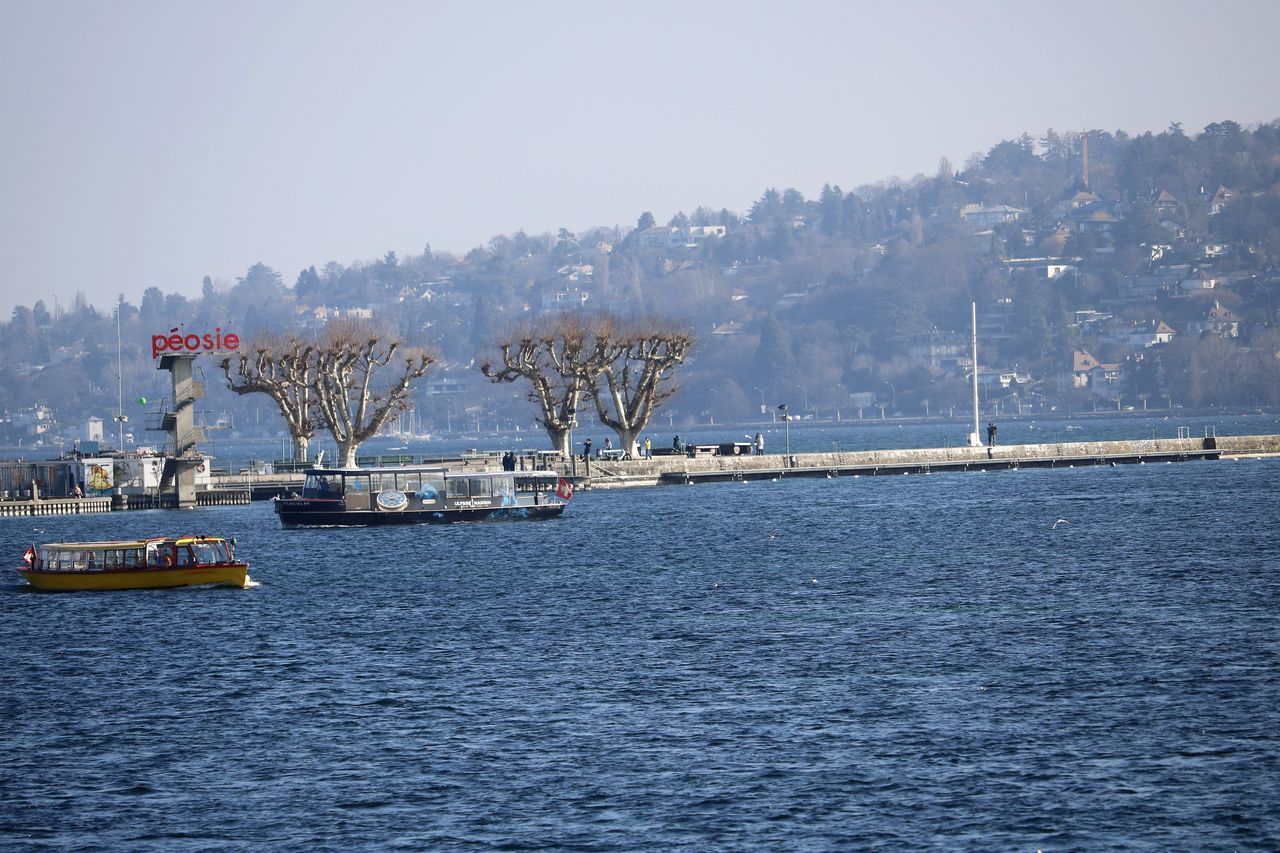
pixel 991 434
pixel 648 448
pixel 759 444
pixel 586 450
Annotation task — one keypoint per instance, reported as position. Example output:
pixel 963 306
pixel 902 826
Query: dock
pixel 683 469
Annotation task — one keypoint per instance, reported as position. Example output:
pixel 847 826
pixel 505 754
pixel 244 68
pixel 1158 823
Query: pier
pixel 701 467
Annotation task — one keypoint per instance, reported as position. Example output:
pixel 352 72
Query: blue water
pixel 891 662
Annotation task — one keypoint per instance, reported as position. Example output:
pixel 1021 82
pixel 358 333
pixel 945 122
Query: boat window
pixel 206 553
pixel 184 555
pixel 482 487
pixel 320 486
pixel 358 483
pixel 457 487
pixel 504 487
pixel 409 482
pixel 132 557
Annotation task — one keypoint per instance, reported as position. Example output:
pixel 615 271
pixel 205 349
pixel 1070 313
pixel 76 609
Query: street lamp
pixel 763 407
pixel 787 420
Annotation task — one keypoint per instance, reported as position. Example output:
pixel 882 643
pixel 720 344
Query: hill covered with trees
pixel 1108 270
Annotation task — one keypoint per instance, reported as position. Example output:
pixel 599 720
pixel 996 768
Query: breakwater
pixel 686 469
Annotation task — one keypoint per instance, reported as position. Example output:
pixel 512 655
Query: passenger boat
pixel 415 494
pixel 134 564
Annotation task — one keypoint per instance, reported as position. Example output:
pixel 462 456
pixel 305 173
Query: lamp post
pixel 763 407
pixel 786 419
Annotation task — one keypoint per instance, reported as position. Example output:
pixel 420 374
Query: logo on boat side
pixel 392 500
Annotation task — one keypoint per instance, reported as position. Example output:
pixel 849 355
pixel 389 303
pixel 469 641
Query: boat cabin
pixel 145 553
pixel 408 488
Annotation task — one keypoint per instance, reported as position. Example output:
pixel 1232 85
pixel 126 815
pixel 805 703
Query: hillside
pixel 1109 271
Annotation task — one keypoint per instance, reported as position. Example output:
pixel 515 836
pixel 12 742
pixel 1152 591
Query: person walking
pixel 648 448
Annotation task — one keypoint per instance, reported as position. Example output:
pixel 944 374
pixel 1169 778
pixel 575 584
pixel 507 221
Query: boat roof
pixel 132 543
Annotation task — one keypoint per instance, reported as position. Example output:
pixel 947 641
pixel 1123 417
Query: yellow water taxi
pixel 134 564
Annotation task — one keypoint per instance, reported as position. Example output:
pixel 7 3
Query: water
pixel 913 661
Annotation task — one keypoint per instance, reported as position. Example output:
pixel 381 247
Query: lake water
pixel 1062 659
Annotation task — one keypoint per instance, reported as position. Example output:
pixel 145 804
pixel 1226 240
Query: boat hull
pixel 298 514
pixel 234 574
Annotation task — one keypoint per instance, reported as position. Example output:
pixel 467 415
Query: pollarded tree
pixel 350 401
pixel 553 357
pixel 283 368
pixel 634 362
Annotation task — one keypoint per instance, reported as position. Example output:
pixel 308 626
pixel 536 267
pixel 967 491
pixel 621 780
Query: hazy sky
pixel 153 143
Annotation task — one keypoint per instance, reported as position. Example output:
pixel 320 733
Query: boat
pixel 154 563
pixel 413 494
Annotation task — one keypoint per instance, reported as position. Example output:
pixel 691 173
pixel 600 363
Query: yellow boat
pixel 134 564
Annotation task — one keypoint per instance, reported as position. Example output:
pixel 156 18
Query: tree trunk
pixel 559 439
pixel 301 446
pixel 347 453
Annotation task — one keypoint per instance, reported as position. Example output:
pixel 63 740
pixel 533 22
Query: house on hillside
pixel 1090 374
pixel 1221 199
pixel 1220 321
pixel 1199 281
pixel 1098 217
pixel 940 350
pixel 984 216
pixel 1149 334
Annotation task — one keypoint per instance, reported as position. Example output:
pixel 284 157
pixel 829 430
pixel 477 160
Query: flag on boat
pixel 29 557
pixel 564 489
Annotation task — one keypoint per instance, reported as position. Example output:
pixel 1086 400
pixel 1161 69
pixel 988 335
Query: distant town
pixel 1111 273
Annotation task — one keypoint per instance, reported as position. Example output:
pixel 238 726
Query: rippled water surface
pixel 923 661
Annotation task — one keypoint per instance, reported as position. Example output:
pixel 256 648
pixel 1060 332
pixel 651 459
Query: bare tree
pixel 623 367
pixel 348 400
pixel 554 360
pixel 634 364
pixel 283 368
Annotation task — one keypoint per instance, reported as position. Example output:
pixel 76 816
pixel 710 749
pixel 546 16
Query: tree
pixel 348 400
pixel 552 358
pixel 284 370
pixel 635 364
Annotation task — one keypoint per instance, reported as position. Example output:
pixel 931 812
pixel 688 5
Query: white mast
pixel 120 415
pixel 975 437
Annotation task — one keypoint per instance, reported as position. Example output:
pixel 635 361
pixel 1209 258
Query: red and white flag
pixel 564 489
pixel 29 557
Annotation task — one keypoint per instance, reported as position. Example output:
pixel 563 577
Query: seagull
pixel 1059 521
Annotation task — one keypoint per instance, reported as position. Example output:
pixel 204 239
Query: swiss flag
pixel 564 489
pixel 29 557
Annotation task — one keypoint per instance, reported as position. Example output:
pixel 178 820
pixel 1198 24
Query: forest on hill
pixel 1108 270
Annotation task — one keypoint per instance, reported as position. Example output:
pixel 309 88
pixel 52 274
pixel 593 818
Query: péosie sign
pixel 175 341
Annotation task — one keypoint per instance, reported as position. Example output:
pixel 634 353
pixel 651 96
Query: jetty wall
pixel 838 462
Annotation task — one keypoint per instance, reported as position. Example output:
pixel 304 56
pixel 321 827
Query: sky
pixel 151 144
